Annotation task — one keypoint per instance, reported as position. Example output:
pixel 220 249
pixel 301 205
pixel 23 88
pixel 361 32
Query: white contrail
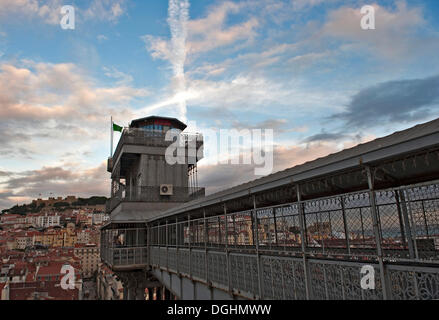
pixel 178 16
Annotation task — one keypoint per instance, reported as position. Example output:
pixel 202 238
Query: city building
pixel 90 258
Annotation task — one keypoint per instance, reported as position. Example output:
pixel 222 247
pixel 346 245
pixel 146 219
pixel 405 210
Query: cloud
pixel 121 77
pixel 393 101
pixel 301 62
pixel 219 177
pixel 58 181
pixel 397 34
pixel 105 10
pixel 302 4
pixel 4 173
pixel 178 17
pixel 325 137
pixel 275 124
pixel 49 12
pixel 208 33
pixel 253 61
pixel 47 103
pixel 244 93
pixel 101 38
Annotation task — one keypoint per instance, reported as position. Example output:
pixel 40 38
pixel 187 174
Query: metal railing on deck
pixel 152 194
pixel 125 257
pixel 260 252
pixel 283 278
pixel 124 247
pixel 152 138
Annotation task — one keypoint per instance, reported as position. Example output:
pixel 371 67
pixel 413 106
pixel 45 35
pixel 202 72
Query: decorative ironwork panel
pixel 235 272
pixel 331 224
pixel 277 279
pixel 289 279
pixel 334 282
pixel 318 281
pixel 250 274
pixel 351 283
pixel 267 280
pixel 172 258
pixel 413 283
pixel 163 258
pixel 428 285
pixel 244 273
pixel 183 261
pixel 217 267
pixel 197 264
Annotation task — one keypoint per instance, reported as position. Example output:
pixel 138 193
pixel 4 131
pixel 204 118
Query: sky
pixel 304 68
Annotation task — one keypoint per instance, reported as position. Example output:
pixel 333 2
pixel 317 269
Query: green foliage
pixel 22 210
pixel 92 201
pixel 61 206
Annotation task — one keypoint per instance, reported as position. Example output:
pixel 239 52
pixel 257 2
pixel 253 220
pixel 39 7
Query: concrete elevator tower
pixel 153 169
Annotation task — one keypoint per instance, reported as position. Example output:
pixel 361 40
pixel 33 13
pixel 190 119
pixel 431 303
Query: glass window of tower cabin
pixel 147 130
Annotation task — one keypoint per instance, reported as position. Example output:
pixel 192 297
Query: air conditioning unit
pixel 166 190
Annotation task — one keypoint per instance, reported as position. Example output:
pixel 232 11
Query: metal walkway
pixel 259 254
pixel 308 231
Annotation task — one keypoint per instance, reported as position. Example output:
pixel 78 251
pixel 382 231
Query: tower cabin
pixel 144 183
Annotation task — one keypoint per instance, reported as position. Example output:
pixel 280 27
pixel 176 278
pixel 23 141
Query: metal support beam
pixel 303 242
pixel 345 225
pixel 229 283
pixel 275 227
pixel 413 224
pixel 206 238
pixel 177 245
pixel 406 231
pixel 378 239
pixel 255 231
pixel 167 242
pixel 148 244
pixel 190 245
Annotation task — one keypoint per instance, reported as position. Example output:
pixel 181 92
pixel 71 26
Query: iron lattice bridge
pixel 308 249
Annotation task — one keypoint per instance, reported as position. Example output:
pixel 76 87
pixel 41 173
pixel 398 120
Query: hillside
pixel 61 206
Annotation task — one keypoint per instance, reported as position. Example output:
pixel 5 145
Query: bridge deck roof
pixel 421 137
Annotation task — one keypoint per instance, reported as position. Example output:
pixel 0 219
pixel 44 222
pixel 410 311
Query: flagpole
pixel 111 144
